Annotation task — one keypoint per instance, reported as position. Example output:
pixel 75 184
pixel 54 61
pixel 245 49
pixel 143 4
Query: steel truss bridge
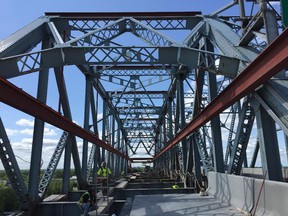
pixel 184 104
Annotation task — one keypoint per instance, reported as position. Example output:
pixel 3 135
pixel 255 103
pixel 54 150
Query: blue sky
pixel 16 14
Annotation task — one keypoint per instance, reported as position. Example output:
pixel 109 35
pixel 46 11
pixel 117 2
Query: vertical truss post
pixel 182 118
pixel 126 163
pixel 124 151
pixel 199 141
pixel 88 89
pixel 190 161
pixel 94 152
pixel 38 132
pixel 104 125
pixel 164 132
pixel 158 147
pixel 216 129
pixel 215 122
pixel 197 159
pixel 112 158
pixel 269 147
pixel 170 119
pixel 177 162
pixel 170 131
pixel 108 139
pixel 117 159
pixel 67 113
pixel 165 160
pixel 71 140
pixel 286 144
pixel 96 155
pixel 68 148
pixel 178 148
pixel 255 154
pixel 67 167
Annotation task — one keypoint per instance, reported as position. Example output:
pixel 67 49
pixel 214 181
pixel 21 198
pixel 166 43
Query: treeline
pixel 8 198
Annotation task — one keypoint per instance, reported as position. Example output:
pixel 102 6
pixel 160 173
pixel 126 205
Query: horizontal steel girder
pixel 270 62
pixel 100 15
pixel 67 55
pixel 140 159
pixel 146 70
pixel 138 92
pixel 15 97
pixel 117 15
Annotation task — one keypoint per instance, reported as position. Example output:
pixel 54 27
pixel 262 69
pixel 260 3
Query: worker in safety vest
pixel 175 186
pixel 87 201
pixel 104 171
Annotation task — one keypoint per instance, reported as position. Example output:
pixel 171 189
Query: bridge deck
pixel 181 204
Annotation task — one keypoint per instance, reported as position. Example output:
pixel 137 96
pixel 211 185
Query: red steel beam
pixel 15 97
pixel 270 62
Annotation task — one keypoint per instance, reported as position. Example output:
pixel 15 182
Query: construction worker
pixel 175 186
pixel 87 201
pixel 104 172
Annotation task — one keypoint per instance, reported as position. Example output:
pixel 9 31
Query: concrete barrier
pixel 273 200
pixel 243 193
pixel 231 189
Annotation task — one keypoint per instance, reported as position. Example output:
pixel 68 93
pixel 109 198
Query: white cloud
pixel 53 142
pixel 22 151
pixel 11 132
pixel 26 141
pixel 27 131
pixel 99 116
pixel 22 147
pixel 49 132
pixel 25 122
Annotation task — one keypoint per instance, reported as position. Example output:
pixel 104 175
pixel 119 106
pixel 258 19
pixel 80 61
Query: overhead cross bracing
pixel 156 86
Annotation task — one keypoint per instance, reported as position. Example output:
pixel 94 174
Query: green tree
pixel 8 199
pixel 55 187
pixel 58 174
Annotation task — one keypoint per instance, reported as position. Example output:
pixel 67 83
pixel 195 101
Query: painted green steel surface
pixel 284 8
